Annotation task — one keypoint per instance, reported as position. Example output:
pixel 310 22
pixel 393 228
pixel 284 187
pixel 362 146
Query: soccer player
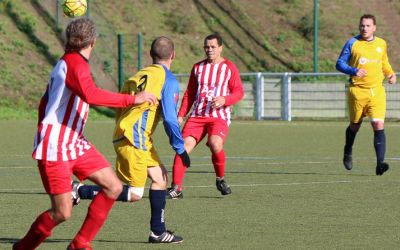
pixel 364 58
pixel 137 157
pixel 60 147
pixel 214 86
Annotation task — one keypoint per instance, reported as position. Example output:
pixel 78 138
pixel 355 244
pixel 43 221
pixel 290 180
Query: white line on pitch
pixel 35 190
pixel 282 184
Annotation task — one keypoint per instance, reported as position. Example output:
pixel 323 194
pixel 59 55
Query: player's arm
pixel 80 82
pixel 168 103
pixel 189 96
pixel 387 68
pixel 342 63
pixel 235 87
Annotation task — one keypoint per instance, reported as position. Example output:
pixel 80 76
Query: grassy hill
pixel 260 35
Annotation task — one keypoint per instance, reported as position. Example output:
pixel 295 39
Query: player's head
pixel 162 49
pixel 80 33
pixel 367 26
pixel 213 47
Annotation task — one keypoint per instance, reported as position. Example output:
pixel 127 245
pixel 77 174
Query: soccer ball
pixel 74 8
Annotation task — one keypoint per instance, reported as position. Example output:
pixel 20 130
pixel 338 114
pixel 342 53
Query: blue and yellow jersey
pixel 137 123
pixel 368 55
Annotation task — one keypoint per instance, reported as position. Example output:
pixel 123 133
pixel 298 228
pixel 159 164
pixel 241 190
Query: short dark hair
pixel 368 16
pixel 80 33
pixel 161 48
pixel 214 36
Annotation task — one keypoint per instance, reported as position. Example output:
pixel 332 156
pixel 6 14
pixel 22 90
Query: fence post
pixel 259 96
pixel 286 90
pixel 120 63
pixel 58 13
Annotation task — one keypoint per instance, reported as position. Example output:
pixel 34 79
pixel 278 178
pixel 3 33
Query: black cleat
pixel 166 237
pixel 348 161
pixel 382 168
pixel 174 193
pixel 223 187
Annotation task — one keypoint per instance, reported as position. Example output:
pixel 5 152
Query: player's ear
pixel 93 43
pixel 173 55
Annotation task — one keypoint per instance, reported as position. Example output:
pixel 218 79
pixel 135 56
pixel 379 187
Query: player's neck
pixel 86 52
pixel 368 39
pixel 216 60
pixel 166 63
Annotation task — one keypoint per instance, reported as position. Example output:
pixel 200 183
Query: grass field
pixel 290 191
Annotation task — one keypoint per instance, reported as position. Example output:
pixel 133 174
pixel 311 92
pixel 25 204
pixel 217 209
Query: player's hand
pixel 180 120
pixel 361 73
pixel 185 159
pixel 218 102
pixel 143 97
pixel 392 79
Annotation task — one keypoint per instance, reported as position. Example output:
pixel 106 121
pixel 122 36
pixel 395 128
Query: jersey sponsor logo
pixel 207 91
pixel 379 49
pixel 364 60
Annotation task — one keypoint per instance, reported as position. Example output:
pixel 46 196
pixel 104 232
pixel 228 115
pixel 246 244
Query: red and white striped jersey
pixel 209 80
pixel 64 108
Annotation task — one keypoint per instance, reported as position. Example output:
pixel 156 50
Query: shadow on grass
pixel 22 192
pixel 13 240
pixel 8 240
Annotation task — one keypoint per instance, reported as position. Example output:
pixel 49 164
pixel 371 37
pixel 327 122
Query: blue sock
pixel 350 137
pixel 157 203
pixel 380 145
pixel 88 192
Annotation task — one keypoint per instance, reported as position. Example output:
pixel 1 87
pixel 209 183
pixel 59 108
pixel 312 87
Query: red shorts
pixel 57 176
pixel 198 128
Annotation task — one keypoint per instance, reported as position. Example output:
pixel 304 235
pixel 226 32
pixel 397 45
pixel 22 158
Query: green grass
pixel 21 113
pixel 290 191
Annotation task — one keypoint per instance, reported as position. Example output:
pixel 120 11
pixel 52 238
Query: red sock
pixel 218 160
pixel 178 172
pixel 39 231
pixel 95 218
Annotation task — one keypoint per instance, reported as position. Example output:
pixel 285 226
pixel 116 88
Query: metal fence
pixel 285 96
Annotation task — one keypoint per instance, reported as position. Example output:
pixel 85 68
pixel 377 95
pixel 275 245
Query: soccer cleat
pixel 382 168
pixel 174 193
pixel 166 237
pixel 76 199
pixel 223 187
pixel 348 161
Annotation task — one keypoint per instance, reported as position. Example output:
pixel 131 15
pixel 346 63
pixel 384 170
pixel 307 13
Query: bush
pixel 306 26
pixel 179 23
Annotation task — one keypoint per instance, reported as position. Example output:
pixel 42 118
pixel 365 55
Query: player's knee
pixel 60 216
pixel 135 194
pixel 377 125
pixel 159 177
pixel 113 191
pixel 159 182
pixel 215 147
